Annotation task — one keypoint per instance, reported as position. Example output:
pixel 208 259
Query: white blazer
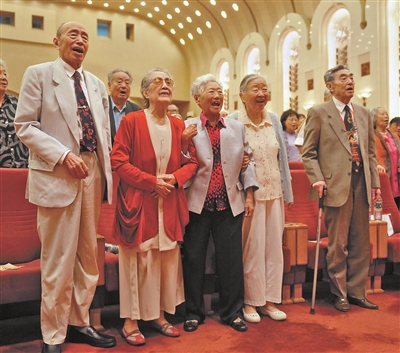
pixel 233 147
pixel 46 122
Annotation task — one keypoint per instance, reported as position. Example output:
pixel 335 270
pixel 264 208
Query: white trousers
pixel 149 282
pixel 69 256
pixel 262 253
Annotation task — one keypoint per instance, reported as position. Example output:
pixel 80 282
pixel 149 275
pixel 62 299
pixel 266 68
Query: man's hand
pixel 76 166
pixel 320 187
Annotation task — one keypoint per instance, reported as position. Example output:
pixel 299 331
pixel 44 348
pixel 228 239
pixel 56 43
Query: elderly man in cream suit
pixel 339 155
pixel 67 180
pixel 217 201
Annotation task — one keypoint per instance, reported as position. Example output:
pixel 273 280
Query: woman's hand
pixel 381 169
pixel 289 205
pixel 245 162
pixel 164 184
pixel 187 135
pixel 249 205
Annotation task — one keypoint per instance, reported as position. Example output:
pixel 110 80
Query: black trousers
pixel 226 231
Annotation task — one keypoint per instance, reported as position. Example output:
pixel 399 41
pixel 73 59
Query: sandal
pixel 134 338
pixel 166 329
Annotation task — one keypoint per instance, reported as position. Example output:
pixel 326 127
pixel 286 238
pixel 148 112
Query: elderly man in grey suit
pixel 339 159
pixel 119 85
pixel 62 118
pixel 217 201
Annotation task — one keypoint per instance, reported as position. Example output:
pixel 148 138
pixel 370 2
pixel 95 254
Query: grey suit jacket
pixel 46 122
pixel 233 147
pixel 327 155
pixel 130 107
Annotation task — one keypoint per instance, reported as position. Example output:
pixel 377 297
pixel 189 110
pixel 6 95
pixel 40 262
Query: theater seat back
pixel 17 219
pixel 304 210
pixel 107 215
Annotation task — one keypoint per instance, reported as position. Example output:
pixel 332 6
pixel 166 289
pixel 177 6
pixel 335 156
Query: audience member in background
pixel 290 121
pixel 300 136
pixel 224 113
pixel 339 154
pixel 217 201
pixel 387 150
pixel 302 120
pixel 172 109
pixel 13 153
pixel 151 211
pixel 119 84
pixel 262 233
pixel 394 127
pixel 62 118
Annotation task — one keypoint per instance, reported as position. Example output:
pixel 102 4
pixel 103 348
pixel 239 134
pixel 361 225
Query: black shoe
pixel 341 304
pixel 239 325
pixel 51 348
pixel 364 303
pixel 90 336
pixel 190 325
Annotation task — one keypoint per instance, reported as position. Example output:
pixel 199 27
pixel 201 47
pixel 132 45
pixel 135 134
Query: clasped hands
pixel 164 184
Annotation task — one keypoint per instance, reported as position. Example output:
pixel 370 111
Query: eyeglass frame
pixel 161 80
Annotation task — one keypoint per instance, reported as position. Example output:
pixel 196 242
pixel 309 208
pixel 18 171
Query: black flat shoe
pixel 239 325
pixel 190 325
pixel 51 348
pixel 363 303
pixel 91 336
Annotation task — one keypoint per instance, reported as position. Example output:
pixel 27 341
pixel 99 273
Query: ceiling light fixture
pixel 177 10
pixel 169 17
pixel 182 41
pixel 136 9
pixel 189 19
pixel 223 14
pixel 213 2
pixel 172 31
pixel 208 24
pixel 90 2
pixel 143 3
pixel 199 31
pixel 128 1
pixel 162 23
pixel 190 35
pixel 156 9
pixel 164 2
pixel 149 15
pixel 186 3
pixel 235 7
pixel 180 25
pixel 122 7
pixel 105 4
pixel 198 13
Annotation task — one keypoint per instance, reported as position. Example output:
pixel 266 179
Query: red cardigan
pixel 133 158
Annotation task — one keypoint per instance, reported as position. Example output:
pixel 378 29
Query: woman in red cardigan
pixel 152 156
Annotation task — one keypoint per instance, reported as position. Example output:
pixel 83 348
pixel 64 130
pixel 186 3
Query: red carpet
pixel 359 330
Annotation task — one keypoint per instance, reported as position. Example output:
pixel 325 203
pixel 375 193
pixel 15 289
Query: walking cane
pixel 314 288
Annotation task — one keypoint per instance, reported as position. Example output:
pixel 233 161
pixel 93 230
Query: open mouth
pixel 216 104
pixel 77 50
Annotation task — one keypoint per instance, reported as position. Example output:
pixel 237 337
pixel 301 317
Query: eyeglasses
pixel 159 81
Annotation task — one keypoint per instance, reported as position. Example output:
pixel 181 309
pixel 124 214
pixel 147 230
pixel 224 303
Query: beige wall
pixel 22 46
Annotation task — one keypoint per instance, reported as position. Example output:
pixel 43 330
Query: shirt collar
pixel 204 120
pixel 340 105
pixel 114 106
pixel 244 118
pixel 70 70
